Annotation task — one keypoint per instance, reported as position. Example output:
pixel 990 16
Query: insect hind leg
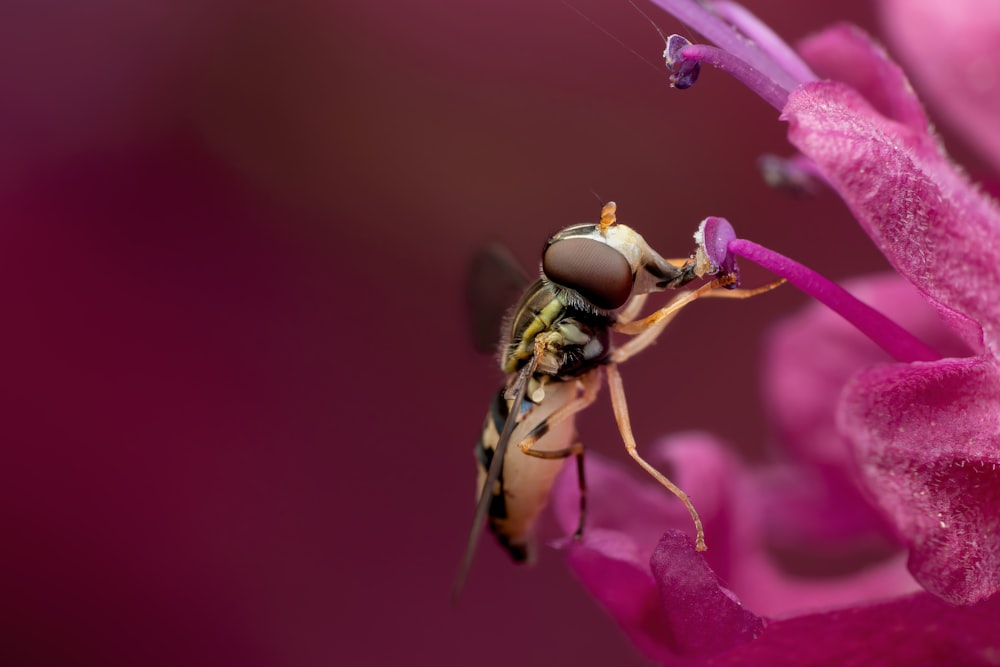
pixel 581 481
pixel 620 407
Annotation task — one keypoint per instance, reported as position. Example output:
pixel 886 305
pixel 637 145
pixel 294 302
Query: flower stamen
pixel 683 72
pixel 767 88
pixel 769 42
pixel 744 47
pixel 719 242
pixel 892 338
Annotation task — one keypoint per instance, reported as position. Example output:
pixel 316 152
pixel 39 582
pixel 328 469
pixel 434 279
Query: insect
pixel 556 350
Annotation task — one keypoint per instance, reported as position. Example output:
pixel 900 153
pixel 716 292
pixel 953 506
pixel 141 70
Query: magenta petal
pixel 626 500
pixel 912 631
pixel 626 521
pixel 801 388
pixel 704 617
pixel 676 610
pixel 950 49
pixel 935 228
pixel 845 53
pixel 618 501
pixel 604 565
pixel 928 445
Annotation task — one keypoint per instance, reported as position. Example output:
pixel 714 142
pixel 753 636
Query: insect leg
pixel 582 486
pixel 632 308
pixel 591 386
pixel 625 428
pixel 576 449
pixel 648 329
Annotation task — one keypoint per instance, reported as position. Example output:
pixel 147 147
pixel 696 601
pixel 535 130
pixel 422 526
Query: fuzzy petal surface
pixel 943 235
pixel 705 617
pixel 637 561
pixel 952 51
pixel 928 443
pixel 845 53
pixel 935 227
pixel 801 389
pixel 673 605
pixel 910 631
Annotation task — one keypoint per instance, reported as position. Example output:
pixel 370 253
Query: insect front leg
pixel 635 304
pixel 632 308
pixel 649 328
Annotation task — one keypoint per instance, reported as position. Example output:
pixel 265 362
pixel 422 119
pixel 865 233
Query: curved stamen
pixel 710 25
pixel 894 339
pixel 768 40
pixel 717 240
pixel 768 89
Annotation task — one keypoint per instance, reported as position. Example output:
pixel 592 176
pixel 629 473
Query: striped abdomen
pixel 525 482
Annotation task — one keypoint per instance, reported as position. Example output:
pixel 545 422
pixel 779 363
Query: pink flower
pixel 735 605
pixel 900 443
pixel 926 435
pixel 963 87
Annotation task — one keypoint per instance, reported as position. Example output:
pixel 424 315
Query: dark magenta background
pixel 238 400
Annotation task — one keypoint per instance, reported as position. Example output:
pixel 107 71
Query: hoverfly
pixel 555 350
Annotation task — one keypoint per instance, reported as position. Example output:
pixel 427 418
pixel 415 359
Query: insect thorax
pixel 576 339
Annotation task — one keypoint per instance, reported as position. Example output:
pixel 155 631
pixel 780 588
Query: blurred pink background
pixel 239 400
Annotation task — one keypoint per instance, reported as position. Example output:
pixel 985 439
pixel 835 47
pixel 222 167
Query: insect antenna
pixel 496 465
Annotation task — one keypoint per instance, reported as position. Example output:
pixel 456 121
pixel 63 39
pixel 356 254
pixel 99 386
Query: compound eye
pixel 598 272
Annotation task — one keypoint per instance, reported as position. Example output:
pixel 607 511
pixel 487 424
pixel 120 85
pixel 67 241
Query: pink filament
pixel 894 339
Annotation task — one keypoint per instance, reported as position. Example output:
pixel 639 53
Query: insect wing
pixel 494 283
pixel 496 466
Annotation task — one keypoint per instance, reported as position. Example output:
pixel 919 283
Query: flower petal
pixel 928 444
pixel 952 50
pixel 913 631
pixel 935 228
pixel 684 612
pixel 625 525
pixel 704 617
pixel 845 53
pixel 631 503
pixel 617 501
pixel 604 564
pixel 628 516
pixel 801 389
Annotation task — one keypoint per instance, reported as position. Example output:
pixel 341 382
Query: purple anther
pixel 683 72
pixel 713 237
pixel 757 57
